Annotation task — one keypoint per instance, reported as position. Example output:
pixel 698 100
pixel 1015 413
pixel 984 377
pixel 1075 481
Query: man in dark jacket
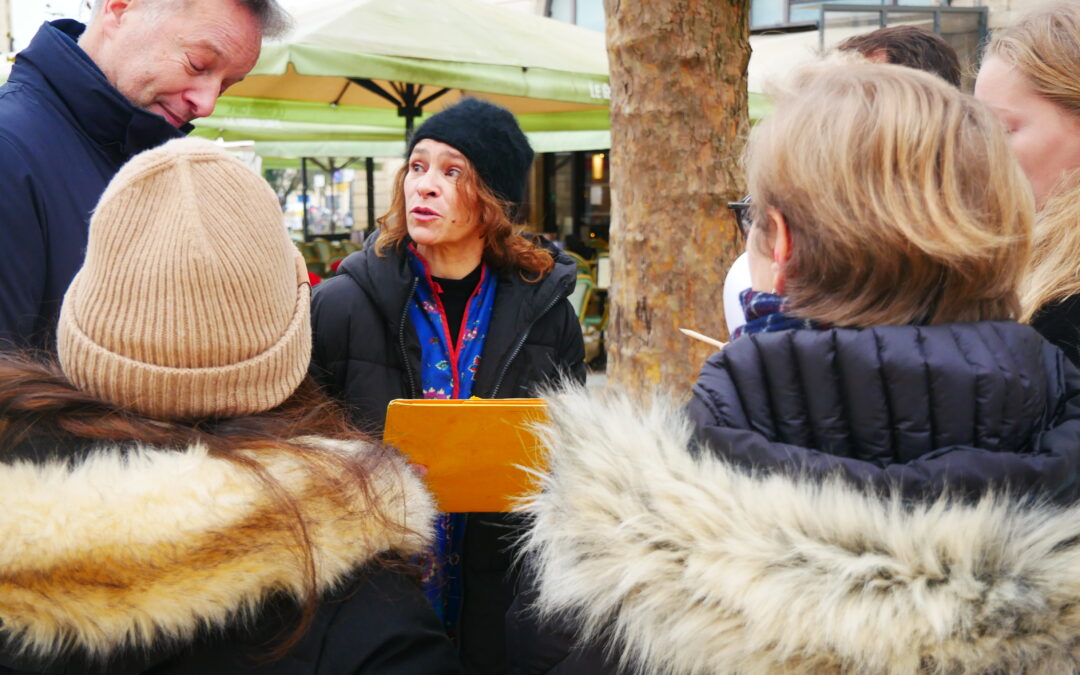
pixel 78 104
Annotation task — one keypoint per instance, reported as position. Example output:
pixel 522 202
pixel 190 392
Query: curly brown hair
pixel 504 246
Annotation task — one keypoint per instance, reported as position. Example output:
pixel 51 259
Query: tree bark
pixel 679 121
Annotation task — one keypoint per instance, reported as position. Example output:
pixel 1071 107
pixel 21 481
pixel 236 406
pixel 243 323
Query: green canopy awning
pixel 290 124
pixel 541 141
pixel 527 63
pixel 332 80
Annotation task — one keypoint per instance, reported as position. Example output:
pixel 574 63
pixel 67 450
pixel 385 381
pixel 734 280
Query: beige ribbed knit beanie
pixel 192 302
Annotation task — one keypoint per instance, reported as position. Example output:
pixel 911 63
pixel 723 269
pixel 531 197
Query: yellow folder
pixel 474 450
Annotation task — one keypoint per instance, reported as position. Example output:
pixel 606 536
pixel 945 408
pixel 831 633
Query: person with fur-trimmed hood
pixel 890 489
pixel 177 497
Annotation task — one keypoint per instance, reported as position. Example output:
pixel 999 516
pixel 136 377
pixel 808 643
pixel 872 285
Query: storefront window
pixel 597 212
pixel 578 194
pixel 585 13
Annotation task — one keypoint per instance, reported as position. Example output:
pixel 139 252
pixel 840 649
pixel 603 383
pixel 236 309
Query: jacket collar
pixel 102 112
pixel 137 547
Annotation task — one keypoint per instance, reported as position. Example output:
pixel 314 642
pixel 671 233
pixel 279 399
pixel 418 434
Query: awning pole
pixel 333 196
pixel 369 170
pixel 303 180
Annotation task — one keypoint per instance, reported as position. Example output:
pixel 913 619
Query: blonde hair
pixel 504 247
pixel 1045 46
pixel 902 199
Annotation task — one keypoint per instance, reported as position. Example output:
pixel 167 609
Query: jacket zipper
pixel 521 343
pixel 401 338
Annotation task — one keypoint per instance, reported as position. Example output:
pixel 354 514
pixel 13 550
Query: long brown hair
pixel 38 402
pixel 504 246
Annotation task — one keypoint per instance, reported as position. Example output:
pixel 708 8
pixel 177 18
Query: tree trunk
pixel 678 125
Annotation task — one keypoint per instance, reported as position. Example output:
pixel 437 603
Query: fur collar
pixel 697 567
pixel 129 549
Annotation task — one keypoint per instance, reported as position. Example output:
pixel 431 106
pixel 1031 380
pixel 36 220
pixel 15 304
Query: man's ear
pixel 880 55
pixel 112 11
pixel 781 247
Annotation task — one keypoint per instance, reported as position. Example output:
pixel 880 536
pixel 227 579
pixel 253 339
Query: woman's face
pixel 1044 136
pixel 434 212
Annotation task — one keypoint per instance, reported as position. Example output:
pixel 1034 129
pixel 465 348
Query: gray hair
pixel 274 21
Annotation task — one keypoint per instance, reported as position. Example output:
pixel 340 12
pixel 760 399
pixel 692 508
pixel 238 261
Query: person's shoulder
pixel 10 93
pixel 338 292
pixel 16 96
pixel 13 152
pixel 19 175
pixel 30 125
pixel 563 266
pixel 16 114
pixel 352 292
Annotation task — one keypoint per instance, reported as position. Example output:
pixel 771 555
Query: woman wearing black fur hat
pixel 448 301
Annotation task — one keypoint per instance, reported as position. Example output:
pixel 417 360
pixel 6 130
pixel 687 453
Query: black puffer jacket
pixel 695 564
pixel 366 353
pixel 961 407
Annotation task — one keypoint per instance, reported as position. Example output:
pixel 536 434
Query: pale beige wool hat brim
pixel 192 302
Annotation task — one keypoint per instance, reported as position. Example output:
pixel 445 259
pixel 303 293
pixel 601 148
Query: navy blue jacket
pixel 956 408
pixel 64 133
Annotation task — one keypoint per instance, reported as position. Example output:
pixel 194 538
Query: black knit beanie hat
pixel 490 137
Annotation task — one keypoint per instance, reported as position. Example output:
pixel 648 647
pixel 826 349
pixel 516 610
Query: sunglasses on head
pixel 743 216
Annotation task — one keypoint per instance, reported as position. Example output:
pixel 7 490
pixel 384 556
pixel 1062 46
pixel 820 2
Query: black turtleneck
pixel 455 296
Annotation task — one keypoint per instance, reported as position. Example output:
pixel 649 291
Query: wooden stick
pixel 704 338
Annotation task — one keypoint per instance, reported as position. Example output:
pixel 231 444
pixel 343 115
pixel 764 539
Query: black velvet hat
pixel 491 139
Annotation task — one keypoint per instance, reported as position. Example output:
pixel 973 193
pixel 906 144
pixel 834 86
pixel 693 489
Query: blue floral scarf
pixel 448 371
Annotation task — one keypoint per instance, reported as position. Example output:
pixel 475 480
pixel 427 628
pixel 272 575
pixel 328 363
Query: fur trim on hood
pixel 697 567
pixel 130 548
